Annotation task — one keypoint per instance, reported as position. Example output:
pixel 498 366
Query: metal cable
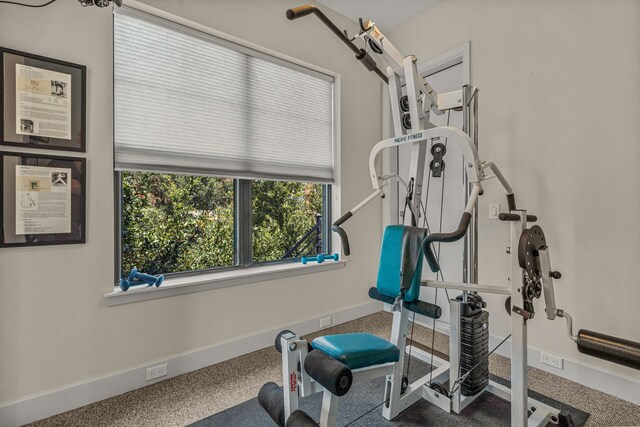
pixel 433 327
pixel 27 5
pixel 367 413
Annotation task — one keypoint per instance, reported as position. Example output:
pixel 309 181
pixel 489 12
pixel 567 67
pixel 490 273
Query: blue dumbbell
pixel 320 258
pixel 147 278
pixel 125 284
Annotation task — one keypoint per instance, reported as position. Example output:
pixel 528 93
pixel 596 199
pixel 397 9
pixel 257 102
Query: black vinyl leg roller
pixel 612 349
pixel 301 419
pixel 271 398
pixel 330 373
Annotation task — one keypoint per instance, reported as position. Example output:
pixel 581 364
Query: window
pixel 224 155
pixel 287 220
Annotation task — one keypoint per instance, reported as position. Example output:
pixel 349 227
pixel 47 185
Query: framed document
pixel 43 102
pixel 43 199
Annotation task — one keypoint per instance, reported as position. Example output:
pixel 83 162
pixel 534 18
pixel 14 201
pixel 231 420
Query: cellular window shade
pixel 188 102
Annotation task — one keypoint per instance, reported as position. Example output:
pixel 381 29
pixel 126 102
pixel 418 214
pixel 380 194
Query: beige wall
pixel 55 328
pixel 559 113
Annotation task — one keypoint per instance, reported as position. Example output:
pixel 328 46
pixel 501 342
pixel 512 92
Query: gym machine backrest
pixel 407 263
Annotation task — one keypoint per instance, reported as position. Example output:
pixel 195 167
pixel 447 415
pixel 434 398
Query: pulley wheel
pixel 404 384
pixel 439 388
pixel 374 47
pixel 406 121
pixel 404 103
pixel 531 241
pixel 529 291
pixel 438 147
pixel 442 165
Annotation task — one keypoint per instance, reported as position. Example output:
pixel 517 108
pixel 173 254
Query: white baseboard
pixel 42 405
pixel 595 378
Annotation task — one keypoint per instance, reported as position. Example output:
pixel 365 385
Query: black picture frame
pixel 8 163
pixel 8 132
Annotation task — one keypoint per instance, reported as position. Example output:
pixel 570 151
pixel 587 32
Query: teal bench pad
pixel 358 350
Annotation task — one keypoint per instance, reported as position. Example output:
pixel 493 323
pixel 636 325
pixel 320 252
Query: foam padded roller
pixel 613 349
pixel 425 308
pixel 271 398
pixel 300 418
pixel 277 343
pixel 329 372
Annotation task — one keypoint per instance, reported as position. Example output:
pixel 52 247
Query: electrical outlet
pixel 155 372
pixel 550 360
pixel 494 210
pixel 325 322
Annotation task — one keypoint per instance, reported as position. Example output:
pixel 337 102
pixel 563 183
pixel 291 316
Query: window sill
pixel 223 279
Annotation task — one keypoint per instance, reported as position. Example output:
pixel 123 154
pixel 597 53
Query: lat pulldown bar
pixel 361 54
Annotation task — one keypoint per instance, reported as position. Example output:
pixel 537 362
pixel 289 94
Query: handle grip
pixel 300 11
pixel 516 217
pixel 343 234
pixel 444 237
pixel 343 238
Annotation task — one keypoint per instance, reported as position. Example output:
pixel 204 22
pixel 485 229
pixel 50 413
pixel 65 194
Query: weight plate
pixel 531 241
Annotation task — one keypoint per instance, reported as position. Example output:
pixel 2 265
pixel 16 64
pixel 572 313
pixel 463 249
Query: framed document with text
pixel 43 199
pixel 43 102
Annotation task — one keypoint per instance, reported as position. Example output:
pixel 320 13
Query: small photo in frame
pixel 42 102
pixel 43 199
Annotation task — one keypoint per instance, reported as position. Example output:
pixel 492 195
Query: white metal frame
pixel 297 383
pixel 458 55
pixel 541 414
pixel 422 101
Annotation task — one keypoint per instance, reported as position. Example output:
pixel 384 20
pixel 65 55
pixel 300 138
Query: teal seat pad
pixel 357 350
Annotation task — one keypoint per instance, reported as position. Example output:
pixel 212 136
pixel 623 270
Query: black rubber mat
pixel 362 407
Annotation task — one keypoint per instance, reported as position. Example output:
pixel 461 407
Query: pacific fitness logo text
pixel 407 138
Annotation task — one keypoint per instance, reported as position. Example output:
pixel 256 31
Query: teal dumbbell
pixel 147 278
pixel 320 258
pixel 125 284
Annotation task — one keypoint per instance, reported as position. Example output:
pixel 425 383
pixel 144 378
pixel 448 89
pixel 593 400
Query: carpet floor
pixel 188 398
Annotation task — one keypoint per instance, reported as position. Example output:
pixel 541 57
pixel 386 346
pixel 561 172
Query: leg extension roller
pixel 613 349
pixel 330 373
pixel 271 399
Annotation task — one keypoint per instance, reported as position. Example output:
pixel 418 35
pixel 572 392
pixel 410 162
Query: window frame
pixel 331 193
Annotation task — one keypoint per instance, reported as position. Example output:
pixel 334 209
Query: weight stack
pixel 474 348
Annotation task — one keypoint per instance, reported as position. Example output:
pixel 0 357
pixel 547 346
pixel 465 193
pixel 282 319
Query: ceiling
pixel 387 14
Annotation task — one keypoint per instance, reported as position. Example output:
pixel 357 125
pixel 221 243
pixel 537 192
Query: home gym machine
pixel 331 364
